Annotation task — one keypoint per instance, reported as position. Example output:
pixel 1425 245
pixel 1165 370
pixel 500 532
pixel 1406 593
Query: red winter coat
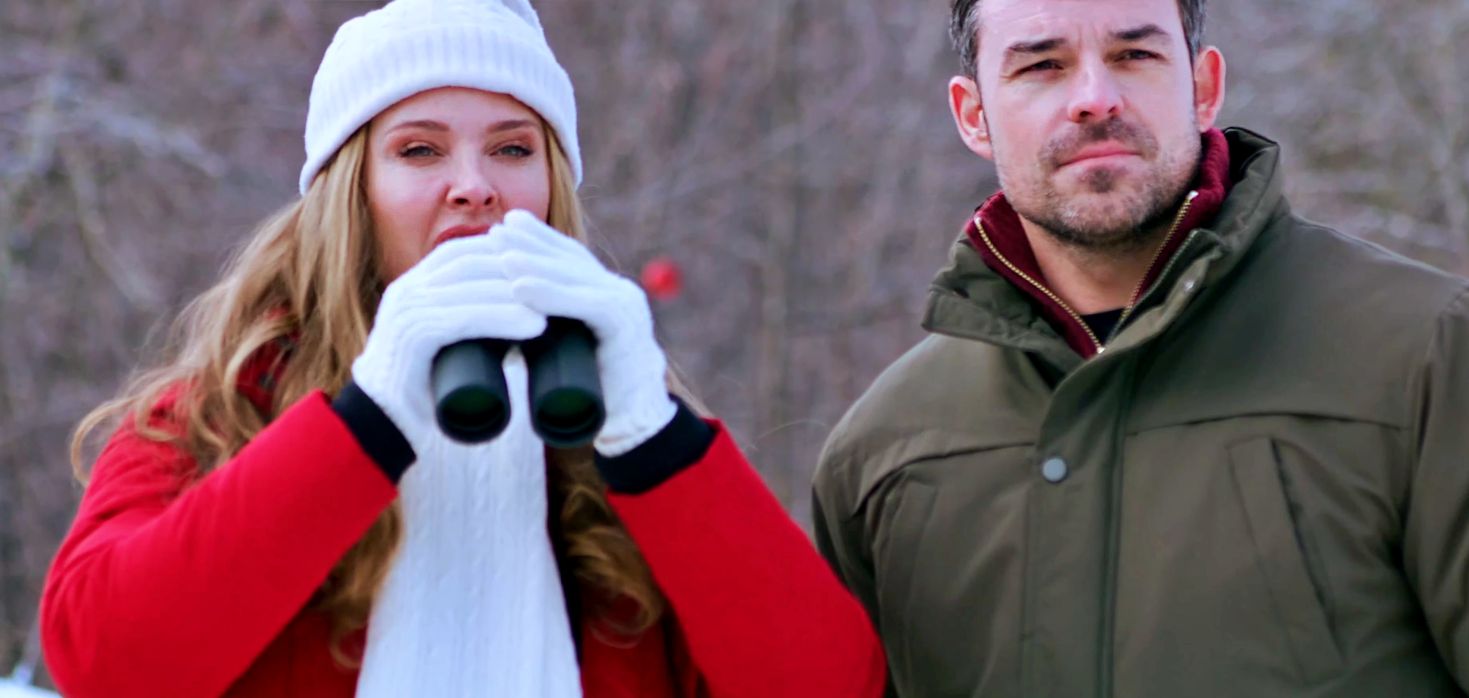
pixel 162 589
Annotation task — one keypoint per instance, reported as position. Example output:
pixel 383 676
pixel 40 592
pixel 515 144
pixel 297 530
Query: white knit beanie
pixel 410 46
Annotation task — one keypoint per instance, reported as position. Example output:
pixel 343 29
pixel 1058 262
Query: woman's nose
pixel 471 187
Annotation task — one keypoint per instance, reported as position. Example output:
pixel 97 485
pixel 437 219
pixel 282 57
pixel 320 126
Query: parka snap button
pixel 1054 470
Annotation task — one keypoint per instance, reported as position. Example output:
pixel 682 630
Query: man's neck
pixel 1092 281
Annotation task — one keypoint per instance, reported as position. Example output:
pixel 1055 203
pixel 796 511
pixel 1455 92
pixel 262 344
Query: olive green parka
pixel 1260 488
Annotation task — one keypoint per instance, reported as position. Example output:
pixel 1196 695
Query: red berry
pixel 662 278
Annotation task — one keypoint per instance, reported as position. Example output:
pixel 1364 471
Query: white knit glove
pixel 458 292
pixel 557 276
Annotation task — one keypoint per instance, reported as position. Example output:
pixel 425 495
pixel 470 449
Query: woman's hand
pixel 458 291
pixel 555 275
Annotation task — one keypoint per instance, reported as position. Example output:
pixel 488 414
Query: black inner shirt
pixel 1102 324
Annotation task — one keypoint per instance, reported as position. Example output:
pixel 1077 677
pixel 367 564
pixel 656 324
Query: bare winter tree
pixel 795 157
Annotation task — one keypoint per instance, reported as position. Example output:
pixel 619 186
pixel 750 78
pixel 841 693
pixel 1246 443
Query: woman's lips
pixel 459 231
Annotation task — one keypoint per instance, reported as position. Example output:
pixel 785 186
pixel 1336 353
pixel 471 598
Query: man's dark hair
pixel 964 29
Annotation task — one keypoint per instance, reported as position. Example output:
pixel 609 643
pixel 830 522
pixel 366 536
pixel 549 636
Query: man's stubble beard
pixel 1124 222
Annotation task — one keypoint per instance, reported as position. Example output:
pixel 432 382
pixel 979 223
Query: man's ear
pixel 1209 73
pixel 968 110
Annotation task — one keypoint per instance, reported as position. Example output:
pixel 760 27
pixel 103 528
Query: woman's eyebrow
pixel 431 125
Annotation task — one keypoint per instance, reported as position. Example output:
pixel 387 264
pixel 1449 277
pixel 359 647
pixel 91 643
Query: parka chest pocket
pixel 1282 559
pixel 948 549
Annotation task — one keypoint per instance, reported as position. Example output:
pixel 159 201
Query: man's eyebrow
pixel 1146 31
pixel 1032 47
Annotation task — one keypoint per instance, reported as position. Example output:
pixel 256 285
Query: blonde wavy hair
pixel 308 279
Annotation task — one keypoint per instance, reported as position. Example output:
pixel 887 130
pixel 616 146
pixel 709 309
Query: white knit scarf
pixel 472 605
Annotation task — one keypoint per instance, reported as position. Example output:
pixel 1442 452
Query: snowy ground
pixel 13 689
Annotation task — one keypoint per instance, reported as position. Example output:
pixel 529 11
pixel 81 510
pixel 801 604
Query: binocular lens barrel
pixel 472 402
pixel 565 390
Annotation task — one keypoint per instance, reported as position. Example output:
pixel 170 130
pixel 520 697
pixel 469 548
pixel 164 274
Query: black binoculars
pixel 472 403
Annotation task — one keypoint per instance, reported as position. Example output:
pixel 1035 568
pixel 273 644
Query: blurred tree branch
pixel 797 158
pixel 130 280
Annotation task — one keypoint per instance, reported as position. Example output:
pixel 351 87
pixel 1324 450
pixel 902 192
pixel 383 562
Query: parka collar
pixel 970 299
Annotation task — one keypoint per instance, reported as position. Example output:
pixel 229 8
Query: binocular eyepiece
pixel 472 402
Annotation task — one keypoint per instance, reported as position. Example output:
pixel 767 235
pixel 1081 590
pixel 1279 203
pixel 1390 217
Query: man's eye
pixel 1138 55
pixel 1048 64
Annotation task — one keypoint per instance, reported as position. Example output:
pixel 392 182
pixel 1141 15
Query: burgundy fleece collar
pixel 1002 225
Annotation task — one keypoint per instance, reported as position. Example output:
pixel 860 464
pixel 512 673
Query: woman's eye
pixel 514 151
pixel 416 151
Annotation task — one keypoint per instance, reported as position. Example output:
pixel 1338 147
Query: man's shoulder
pixel 941 397
pixel 1328 292
pixel 1329 310
pixel 1368 280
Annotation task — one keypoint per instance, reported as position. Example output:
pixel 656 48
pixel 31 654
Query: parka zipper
pixel 1038 285
pixel 1106 660
pixel 1136 293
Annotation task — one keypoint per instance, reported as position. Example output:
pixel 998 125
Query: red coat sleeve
pixel 164 590
pixel 762 613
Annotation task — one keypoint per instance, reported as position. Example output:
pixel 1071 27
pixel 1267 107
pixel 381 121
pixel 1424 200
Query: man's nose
pixel 1095 95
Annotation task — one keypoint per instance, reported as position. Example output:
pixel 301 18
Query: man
pixel 1165 438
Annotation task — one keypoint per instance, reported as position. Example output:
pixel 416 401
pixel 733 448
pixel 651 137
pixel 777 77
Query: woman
pixel 244 534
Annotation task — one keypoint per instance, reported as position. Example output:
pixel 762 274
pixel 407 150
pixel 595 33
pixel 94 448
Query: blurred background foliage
pixel 795 158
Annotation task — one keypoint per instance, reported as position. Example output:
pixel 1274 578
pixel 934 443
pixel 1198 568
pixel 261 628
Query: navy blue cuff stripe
pixel 677 446
pixel 376 433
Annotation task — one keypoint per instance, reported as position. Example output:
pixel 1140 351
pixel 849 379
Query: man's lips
pixel 1099 152
pixel 459 231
